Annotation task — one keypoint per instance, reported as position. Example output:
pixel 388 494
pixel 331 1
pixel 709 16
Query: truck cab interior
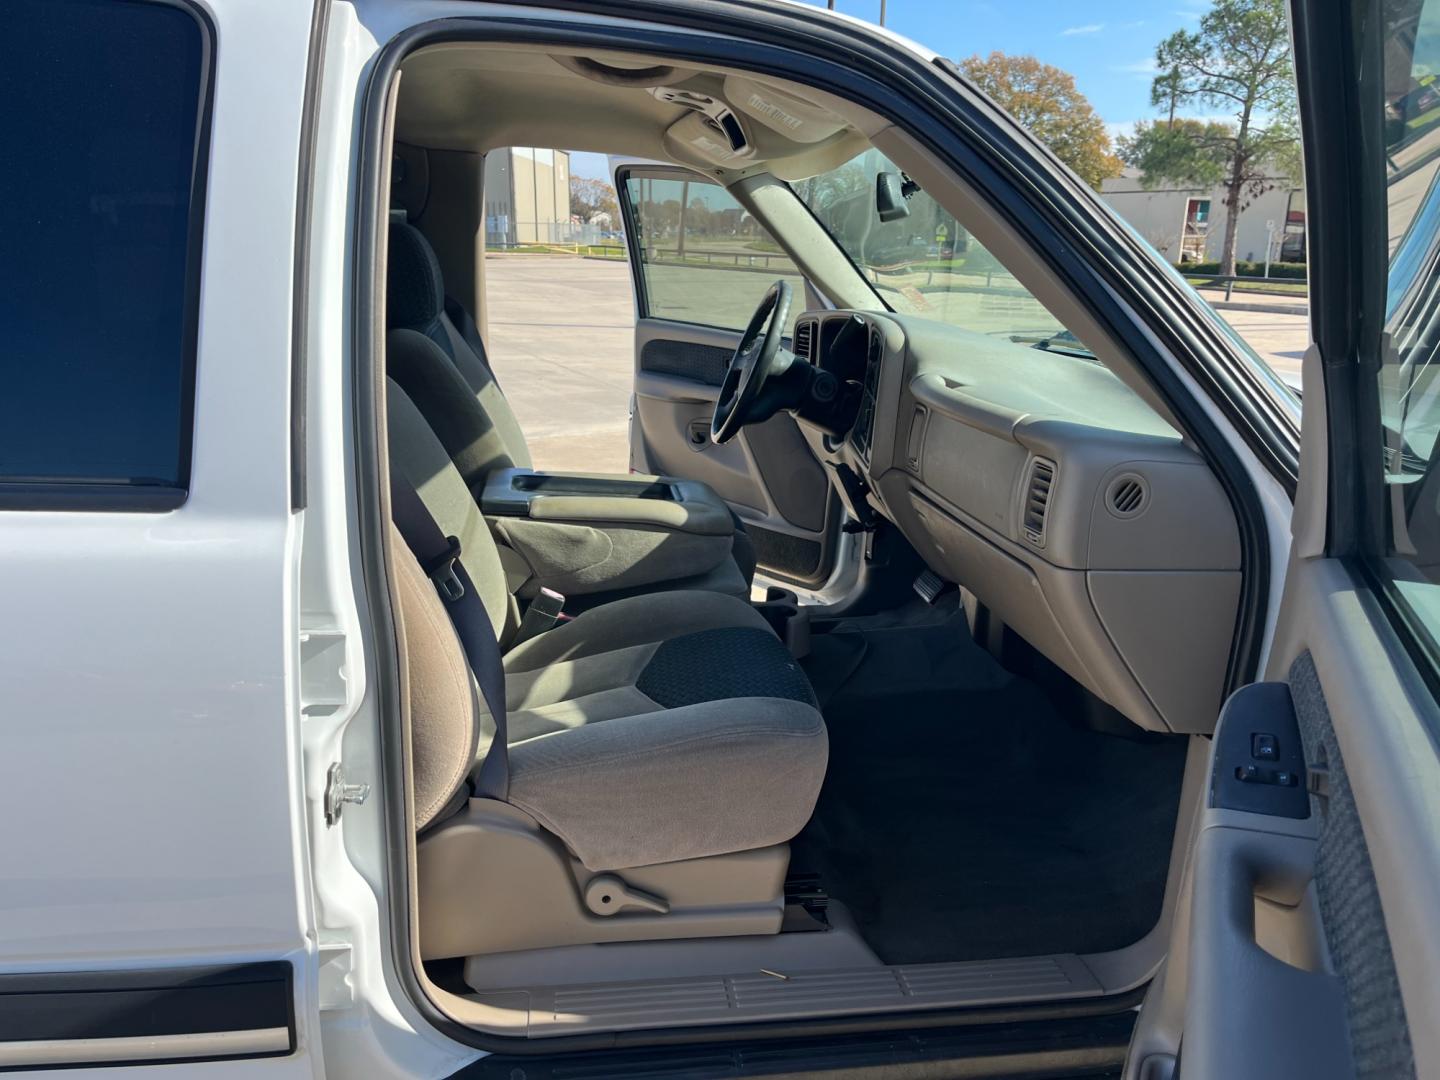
pixel 881 684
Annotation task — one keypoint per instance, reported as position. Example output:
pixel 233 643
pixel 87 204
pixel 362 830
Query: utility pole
pixel 831 5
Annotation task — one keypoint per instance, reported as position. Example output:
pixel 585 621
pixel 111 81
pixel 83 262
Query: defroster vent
pixel 1038 490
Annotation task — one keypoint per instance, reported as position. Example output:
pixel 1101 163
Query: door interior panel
pixel 767 473
pixel 1252 991
pixel 1360 948
pixel 1303 947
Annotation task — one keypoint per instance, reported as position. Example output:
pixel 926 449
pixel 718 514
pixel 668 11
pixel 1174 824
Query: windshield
pixel 923 262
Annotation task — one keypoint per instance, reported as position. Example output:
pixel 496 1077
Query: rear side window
pixel 103 127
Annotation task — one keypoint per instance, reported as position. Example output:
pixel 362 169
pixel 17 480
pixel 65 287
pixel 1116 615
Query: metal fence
pixel 502 234
pixel 729 259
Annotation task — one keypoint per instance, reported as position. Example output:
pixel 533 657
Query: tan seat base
pixel 491 880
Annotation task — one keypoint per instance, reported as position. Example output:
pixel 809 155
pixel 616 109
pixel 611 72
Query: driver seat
pixel 470 414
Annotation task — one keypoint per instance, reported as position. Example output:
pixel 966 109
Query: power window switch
pixel 1264 747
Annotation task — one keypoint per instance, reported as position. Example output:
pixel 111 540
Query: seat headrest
pixel 415 289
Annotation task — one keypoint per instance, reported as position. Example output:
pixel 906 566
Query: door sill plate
pixel 777 995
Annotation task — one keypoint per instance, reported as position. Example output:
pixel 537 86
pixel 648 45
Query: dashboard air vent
pixel 805 340
pixel 1127 496
pixel 1037 500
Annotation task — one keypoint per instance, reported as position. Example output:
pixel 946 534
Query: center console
pixel 585 535
pixel 509 492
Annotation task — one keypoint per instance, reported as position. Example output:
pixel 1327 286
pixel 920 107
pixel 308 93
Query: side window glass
pixel 100 214
pixel 703 258
pixel 1409 394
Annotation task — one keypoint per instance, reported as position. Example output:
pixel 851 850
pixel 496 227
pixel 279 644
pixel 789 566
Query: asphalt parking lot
pixel 561 339
pixel 561 342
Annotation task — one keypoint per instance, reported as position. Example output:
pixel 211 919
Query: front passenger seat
pixel 662 749
pixel 420 318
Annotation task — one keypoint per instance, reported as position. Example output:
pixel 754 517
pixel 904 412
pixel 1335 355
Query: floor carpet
pixel 962 818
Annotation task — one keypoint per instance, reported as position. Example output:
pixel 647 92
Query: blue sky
pixel 1108 45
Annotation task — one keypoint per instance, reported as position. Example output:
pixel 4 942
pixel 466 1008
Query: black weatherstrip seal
pixel 149 1003
pixel 1060 219
pixel 304 200
pixel 630 217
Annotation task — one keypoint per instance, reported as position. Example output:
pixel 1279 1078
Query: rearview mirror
pixel 890 204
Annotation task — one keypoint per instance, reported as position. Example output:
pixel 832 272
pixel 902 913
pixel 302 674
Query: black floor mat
pixel 963 819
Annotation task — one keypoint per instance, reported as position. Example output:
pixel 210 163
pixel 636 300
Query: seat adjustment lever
pixel 607 894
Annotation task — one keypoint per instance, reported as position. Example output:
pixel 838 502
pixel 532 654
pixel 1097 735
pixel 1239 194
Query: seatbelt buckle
pixel 542 614
pixel 441 570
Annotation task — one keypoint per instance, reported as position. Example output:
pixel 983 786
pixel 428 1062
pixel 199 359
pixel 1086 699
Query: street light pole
pixel 882 12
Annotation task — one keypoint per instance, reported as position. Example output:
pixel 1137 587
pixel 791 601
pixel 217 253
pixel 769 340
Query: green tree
pixel 1046 101
pixel 590 197
pixel 1237 61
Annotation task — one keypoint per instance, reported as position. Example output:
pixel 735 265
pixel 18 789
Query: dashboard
pixel 1052 492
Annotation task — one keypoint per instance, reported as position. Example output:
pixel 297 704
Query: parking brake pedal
pixel 929 586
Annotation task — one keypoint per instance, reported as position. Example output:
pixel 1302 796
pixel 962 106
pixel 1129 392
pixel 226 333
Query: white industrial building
pixel 527 197
pixel 1187 224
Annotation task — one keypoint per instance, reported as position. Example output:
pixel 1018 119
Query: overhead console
pixel 735 123
pixel 716 131
pixel 710 129
pixel 1046 487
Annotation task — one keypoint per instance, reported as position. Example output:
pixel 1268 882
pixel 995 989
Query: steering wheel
pixel 752 366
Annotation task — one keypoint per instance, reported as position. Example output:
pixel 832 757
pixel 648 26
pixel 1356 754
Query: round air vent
pixel 1127 496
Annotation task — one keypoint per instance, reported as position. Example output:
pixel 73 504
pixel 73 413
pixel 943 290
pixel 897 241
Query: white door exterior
pixel 150 785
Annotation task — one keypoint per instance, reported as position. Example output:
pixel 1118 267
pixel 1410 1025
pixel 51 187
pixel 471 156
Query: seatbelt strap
pixel 462 321
pixel 439 556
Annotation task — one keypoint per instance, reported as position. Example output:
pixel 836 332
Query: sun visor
pixel 781 112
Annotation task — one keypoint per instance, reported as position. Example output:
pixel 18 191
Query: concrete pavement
pixel 1281 340
pixel 561 339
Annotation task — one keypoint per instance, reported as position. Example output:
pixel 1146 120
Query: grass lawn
pixel 1274 287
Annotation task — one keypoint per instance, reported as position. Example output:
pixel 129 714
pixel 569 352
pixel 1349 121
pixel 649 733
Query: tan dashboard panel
pixel 969 558
pixel 973 469
pixel 1047 606
pixel 1057 496
pixel 1173 629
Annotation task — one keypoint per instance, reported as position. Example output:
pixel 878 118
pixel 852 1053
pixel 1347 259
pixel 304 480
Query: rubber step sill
pixel 766 995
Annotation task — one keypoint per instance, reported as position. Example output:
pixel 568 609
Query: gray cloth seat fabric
pixel 449 378
pixel 638 751
pixel 648 730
